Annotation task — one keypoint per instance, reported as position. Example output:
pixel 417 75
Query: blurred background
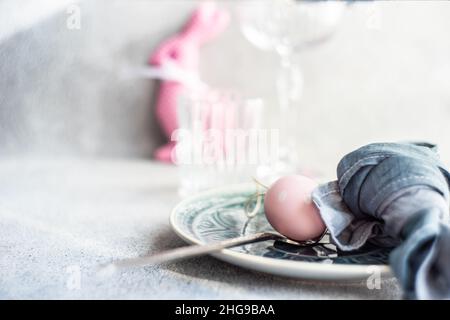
pixel 384 75
pixel 77 133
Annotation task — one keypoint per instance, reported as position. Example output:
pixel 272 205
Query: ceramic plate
pixel 219 214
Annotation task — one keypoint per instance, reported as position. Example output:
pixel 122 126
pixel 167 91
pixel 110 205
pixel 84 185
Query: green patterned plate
pixel 219 214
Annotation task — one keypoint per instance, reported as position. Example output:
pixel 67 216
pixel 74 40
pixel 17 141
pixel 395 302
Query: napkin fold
pixel 394 195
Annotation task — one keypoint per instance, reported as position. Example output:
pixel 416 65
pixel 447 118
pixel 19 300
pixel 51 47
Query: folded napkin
pixel 394 195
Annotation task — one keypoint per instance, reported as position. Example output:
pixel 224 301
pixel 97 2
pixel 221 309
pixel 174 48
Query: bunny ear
pixel 204 12
pixel 206 22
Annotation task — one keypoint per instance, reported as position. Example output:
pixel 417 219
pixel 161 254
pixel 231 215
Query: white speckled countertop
pixel 60 218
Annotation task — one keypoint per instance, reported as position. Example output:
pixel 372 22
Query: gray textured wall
pixel 61 90
pixel 385 75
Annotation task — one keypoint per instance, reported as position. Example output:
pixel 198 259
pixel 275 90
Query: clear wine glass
pixel 287 27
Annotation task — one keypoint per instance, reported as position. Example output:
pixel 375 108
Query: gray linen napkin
pixel 394 195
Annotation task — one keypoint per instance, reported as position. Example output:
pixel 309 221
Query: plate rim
pixel 290 268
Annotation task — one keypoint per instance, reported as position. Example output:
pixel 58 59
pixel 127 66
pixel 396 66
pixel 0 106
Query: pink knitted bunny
pixel 181 53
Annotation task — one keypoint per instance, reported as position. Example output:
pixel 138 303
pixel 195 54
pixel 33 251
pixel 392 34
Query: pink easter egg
pixel 290 209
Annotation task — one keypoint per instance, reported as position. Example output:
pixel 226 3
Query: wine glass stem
pixel 289 85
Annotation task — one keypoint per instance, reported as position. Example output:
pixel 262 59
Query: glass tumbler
pixel 220 140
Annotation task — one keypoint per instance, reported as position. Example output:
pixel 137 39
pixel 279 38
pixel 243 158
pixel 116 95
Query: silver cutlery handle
pixel 189 251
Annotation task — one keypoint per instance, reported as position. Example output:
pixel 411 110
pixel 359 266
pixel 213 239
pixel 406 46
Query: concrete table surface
pixel 60 218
